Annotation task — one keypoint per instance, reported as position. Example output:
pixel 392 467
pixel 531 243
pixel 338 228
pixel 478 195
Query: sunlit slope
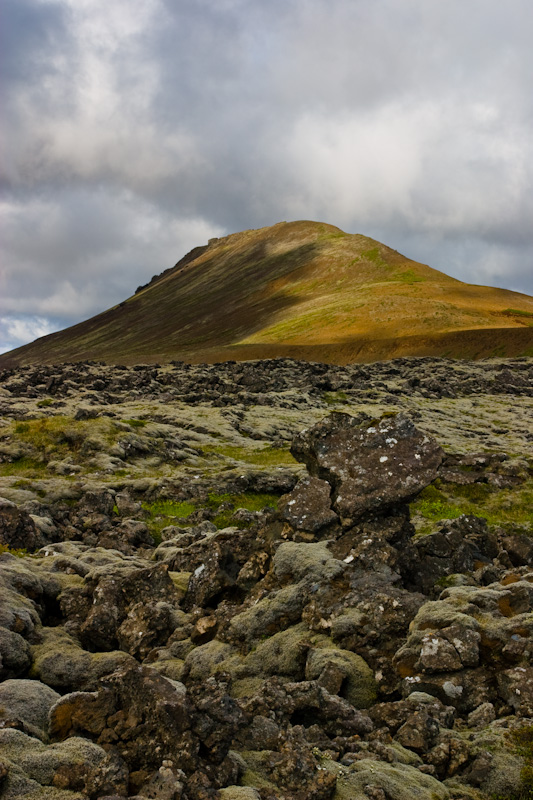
pixel 301 289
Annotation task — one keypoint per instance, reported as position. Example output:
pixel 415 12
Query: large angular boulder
pixel 371 468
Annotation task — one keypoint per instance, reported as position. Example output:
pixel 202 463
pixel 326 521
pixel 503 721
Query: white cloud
pixel 16 331
pixel 137 129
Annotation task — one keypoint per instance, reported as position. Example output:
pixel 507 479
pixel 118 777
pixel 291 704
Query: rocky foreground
pixel 267 580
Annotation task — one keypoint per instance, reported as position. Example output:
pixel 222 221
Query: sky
pixel 134 130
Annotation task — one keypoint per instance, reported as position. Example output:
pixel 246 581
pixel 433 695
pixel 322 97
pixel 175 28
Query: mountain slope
pixel 300 289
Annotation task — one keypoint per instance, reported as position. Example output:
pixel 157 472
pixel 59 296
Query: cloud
pixel 16 331
pixel 136 129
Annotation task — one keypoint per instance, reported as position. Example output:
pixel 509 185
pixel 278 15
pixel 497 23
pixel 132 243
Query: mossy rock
pixel 310 561
pixel 279 610
pixel 246 687
pixel 32 765
pixel 358 685
pixel 29 703
pixel 172 668
pixel 61 663
pixel 206 659
pixel 398 781
pixel 180 580
pixel 284 653
pixel 257 774
pixel 239 793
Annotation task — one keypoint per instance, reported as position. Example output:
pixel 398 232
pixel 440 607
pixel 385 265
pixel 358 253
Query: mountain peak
pixel 301 289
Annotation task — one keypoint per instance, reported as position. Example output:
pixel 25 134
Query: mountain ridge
pixel 300 289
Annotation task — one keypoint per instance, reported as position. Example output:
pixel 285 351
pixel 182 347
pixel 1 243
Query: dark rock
pixel 459 546
pixel 17 529
pixel 370 468
pixel 308 506
pixel 519 548
pixel 127 606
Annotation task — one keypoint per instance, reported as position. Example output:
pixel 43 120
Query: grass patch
pixel 55 438
pixel 517 312
pixel 331 398
pixel 250 501
pixel 20 552
pixel 163 513
pixel 374 256
pixel 505 507
pixel 266 457
pixel 409 276
pixel 25 467
pixel 55 433
pixel 169 508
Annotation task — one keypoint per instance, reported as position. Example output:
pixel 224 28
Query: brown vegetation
pixel 300 289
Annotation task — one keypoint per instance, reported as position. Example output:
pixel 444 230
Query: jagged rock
pixel 133 709
pixel 516 688
pixel 519 548
pixel 151 720
pixel 308 506
pixel 459 546
pixel 371 468
pixel 127 537
pixel 124 604
pixel 17 528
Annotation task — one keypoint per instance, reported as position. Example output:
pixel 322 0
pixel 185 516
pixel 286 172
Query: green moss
pixel 163 513
pixel 517 312
pixel 504 507
pixel 408 276
pixel 266 457
pixel 25 466
pixel 20 552
pixel 135 423
pixel 332 398
pixel 522 740
pixel 250 501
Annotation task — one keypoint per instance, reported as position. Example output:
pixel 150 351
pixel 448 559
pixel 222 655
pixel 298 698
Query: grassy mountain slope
pixel 300 289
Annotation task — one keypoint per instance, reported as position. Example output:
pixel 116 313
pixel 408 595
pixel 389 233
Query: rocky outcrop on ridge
pixel 321 650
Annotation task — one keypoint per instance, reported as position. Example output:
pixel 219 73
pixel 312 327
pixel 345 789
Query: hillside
pixel 298 289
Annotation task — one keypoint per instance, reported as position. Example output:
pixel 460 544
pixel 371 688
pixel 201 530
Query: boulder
pixel 15 654
pixel 371 468
pixel 17 528
pixel 25 704
pixel 76 769
pixel 308 506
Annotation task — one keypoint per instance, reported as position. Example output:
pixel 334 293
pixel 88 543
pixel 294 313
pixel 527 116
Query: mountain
pixel 298 289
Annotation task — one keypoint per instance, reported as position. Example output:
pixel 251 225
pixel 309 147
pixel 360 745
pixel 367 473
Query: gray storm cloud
pixel 137 129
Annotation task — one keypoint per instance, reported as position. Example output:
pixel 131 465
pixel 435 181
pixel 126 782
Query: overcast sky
pixel 134 130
